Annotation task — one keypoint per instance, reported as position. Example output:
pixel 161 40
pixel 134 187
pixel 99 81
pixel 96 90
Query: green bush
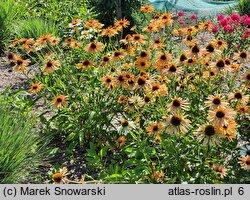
pixel 9 11
pixel 34 28
pixel 109 10
pixel 59 11
pixel 19 142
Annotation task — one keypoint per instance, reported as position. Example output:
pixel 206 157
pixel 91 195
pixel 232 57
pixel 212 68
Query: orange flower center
pixel 57 177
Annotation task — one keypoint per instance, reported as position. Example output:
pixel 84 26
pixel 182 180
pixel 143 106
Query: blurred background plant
pixel 21 147
pixel 9 12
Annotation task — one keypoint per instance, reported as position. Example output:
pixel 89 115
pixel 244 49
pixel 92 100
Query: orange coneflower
pixel 107 80
pixel 215 101
pixel 177 124
pixel 147 8
pixel 239 97
pixel 191 61
pixel 67 41
pixel 75 44
pixel 178 104
pixel 189 40
pixel 142 64
pixel 117 55
pixel 219 44
pixel 11 57
pixel 208 134
pixel 123 23
pixel 29 45
pixel 134 102
pixel 122 99
pixel 51 66
pixel 156 89
pixel 141 82
pixel 211 49
pixel 155 128
pixel 151 28
pixel 42 41
pixel 209 74
pixel 105 60
pixel 144 55
pixel 195 50
pixel 245 162
pixel 183 57
pixel 147 99
pixel 110 31
pixel 60 101
pixel 120 141
pixel 131 84
pixel 93 23
pixel 120 80
pixel 21 64
pixel 85 64
pixel 157 44
pixel 221 115
pixel 246 77
pixel 54 40
pixel 219 169
pixel 172 69
pixel 220 65
pixel 93 47
pixel 241 56
pixel 60 177
pixel 76 21
pixel 138 39
pixel 163 58
pixel 35 87
pixel 243 109
pixel 229 130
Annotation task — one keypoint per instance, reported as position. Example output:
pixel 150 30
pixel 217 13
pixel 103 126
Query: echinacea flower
pixel 147 8
pixel 60 101
pixel 177 105
pixel 177 124
pixel 221 115
pixel 21 65
pixel 94 47
pixel 35 87
pixel 51 66
pixel 245 162
pixel 219 44
pixel 60 177
pixel 239 97
pixel 219 169
pixel 229 130
pixel 85 64
pixel 215 101
pixel 107 80
pixel 155 128
pixel 123 23
pixel 120 141
pixel 241 56
pixel 156 89
pixel 208 134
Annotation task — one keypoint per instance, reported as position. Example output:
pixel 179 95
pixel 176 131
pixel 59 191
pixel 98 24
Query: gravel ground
pixel 8 77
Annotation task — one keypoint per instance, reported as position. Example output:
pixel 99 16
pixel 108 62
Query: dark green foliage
pixel 109 10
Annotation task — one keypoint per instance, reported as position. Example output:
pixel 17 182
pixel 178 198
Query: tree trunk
pixel 118 9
